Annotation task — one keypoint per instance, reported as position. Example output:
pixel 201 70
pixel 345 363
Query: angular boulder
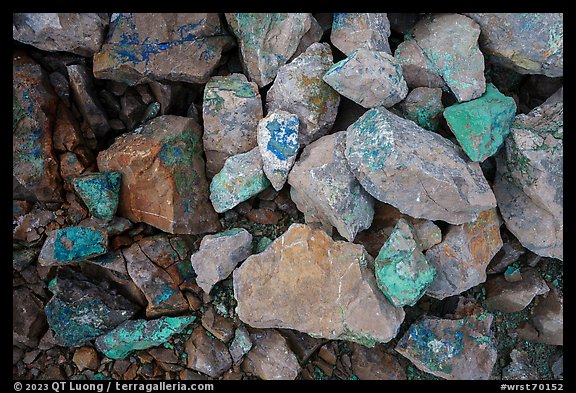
pixel 207 354
pixel 505 296
pixel 351 31
pixel 100 192
pixel 270 357
pixel 72 244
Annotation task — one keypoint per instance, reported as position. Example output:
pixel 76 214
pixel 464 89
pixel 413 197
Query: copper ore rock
pixel 270 357
pixel 351 31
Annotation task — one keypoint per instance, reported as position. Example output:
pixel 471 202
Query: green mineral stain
pixel 18 113
pixel 263 244
pixel 178 152
pixel 237 86
pixel 74 244
pixel 151 112
pixel 354 377
pixel 482 339
pixel 481 125
pixel 228 232
pixel 100 192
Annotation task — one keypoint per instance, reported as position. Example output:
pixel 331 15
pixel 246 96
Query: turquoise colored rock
pixel 481 125
pixel 402 271
pixel 73 244
pixel 263 244
pixel 141 334
pixel 100 192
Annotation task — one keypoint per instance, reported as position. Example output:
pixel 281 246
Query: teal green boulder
pixel 100 192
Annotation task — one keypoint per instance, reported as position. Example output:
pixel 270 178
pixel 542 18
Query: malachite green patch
pixel 100 192
pixel 283 141
pixel 74 244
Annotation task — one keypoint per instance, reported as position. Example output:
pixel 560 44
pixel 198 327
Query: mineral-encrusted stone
pixel 419 172
pixel 520 367
pixel 351 31
pixel 241 345
pixel 219 254
pixel 73 244
pixel 529 179
pixel 82 310
pixel 417 70
pixel 268 40
pixel 163 179
pixel 79 33
pixel 100 192
pixel 324 188
pixel 451 349
pixel 375 364
pixel 423 105
pixel 28 319
pixel 141 334
pixel 206 354
pixel 299 89
pixel 142 47
pixel 307 282
pixel 369 78
pixel 278 145
pixel 463 255
pixel 482 125
pixel 162 293
pixel 241 178
pixel 231 110
pixel 270 358
pixel 503 295
pixel 402 272
pixel 34 163
pixel 529 43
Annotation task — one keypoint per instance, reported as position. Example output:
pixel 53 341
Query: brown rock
pixel 220 327
pixel 86 358
pixel 548 318
pixel 163 355
pixel 270 358
pixel 28 318
pixel 375 364
pixel 207 355
pixel 301 344
pixel 263 216
pixel 506 296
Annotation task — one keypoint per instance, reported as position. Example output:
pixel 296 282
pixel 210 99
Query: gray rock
pixel 416 68
pixel 79 33
pixel 423 105
pixel 369 78
pixel 207 355
pixel 419 172
pixel 351 31
pixel 28 319
pixel 324 188
pixel 270 357
pixel 506 296
pixel 219 254
pixel 375 364
pixel 220 327
pixel 548 318
pixel 241 345
pixel 520 367
pixel 299 89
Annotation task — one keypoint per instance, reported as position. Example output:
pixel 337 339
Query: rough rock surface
pixel 423 105
pixel 324 188
pixel 369 78
pixel 80 33
pixel 451 349
pixel 270 357
pixel 299 89
pixel 163 178
pixel 463 255
pixel 142 47
pixel 206 354
pixel 219 254
pixel 240 345
pixel 73 244
pixel 269 40
pixel 307 282
pixel 419 172
pixel 528 183
pixel 375 364
pixel 506 296
pixel 231 110
pixel 351 31
pixel 417 70
pixel 548 318
pixel 529 43
pixel 520 367
pixel 100 192
pixel 28 319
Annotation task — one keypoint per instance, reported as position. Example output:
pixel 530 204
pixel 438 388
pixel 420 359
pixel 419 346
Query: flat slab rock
pixel 419 172
pixel 307 282
pixel 270 357
pixel 351 31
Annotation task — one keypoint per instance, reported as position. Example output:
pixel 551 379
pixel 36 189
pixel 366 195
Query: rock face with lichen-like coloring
pixel 179 47
pixel 231 110
pixel 270 357
pixel 463 255
pixel 299 89
pixel 529 179
pixel 307 282
pixel 324 188
pixel 423 105
pixel 73 244
pixel 163 177
pixel 351 31
pixel 369 78
pixel 100 192
pixel 419 172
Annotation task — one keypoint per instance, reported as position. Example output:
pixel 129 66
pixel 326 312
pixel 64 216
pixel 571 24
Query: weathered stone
pixel 402 272
pixel 132 109
pixel 369 78
pixel 220 327
pixel 482 124
pixel 28 226
pixel 324 188
pixel 162 250
pixel 34 163
pixel 530 43
pixel 307 282
pixel 67 135
pixel 528 183
pixel 278 145
pixel 86 358
pixel 417 70
pixel 231 110
pixel 82 310
pixel 240 345
pixel 270 357
pixel 219 254
pixel 100 192
pixel 520 367
pixel 28 319
pixel 451 349
pixel 241 177
pixel 463 255
pixel 164 355
pixel 262 244
pixel 72 244
pixel 313 35
pixel 548 318
pixel 142 47
pixel 375 364
pixel 79 33
pixel 423 105
pixel 419 172
pixel 510 252
pixel 268 40
pixel 506 296
pixel 140 334
pixel 351 31
pixel 299 89
pixel 23 258
pixel 163 180
pixel 113 261
pixel 206 354
pixel 162 293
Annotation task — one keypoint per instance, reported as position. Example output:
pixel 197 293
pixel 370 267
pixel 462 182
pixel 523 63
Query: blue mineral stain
pixel 100 192
pixel 30 148
pixel 340 19
pixel 283 141
pixel 162 291
pixel 74 244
